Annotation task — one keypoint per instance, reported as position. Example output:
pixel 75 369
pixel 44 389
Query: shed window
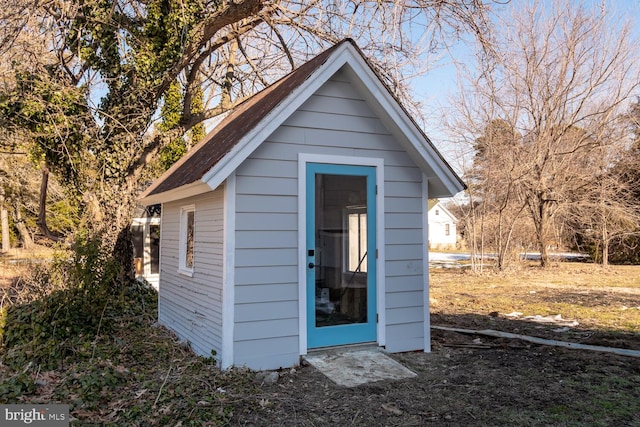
pixel 446 229
pixel 187 238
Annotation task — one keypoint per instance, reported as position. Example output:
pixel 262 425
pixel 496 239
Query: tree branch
pixel 229 13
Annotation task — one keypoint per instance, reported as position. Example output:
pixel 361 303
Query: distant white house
pixel 442 226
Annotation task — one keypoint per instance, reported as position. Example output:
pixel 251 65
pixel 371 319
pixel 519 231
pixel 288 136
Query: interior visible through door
pixel 342 258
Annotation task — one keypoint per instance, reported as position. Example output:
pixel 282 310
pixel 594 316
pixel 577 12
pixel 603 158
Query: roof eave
pixel 193 189
pixel 429 159
pixel 252 140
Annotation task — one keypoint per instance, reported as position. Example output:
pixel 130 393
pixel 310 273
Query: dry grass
pixel 20 275
pixel 17 261
pixel 599 299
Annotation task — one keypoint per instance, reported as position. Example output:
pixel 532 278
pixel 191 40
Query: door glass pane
pixel 341 249
pixel 154 249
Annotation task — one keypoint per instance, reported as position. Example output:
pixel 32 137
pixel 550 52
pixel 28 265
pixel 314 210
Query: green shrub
pixel 80 295
pixel 15 386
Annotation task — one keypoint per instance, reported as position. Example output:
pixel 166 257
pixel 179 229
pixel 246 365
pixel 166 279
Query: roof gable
pixel 211 161
pixel 439 205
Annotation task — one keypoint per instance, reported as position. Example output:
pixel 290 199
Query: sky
pixel 436 88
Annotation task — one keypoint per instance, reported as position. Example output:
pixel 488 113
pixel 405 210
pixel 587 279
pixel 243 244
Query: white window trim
pixel 182 256
pixel 146 224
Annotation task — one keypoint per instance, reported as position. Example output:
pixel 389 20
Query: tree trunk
pixel 605 254
pixel 25 236
pixel 111 219
pixel 605 243
pixel 544 254
pixel 42 211
pixel 501 252
pixel 541 222
pixel 507 240
pixel 123 254
pixel 482 217
pixel 4 223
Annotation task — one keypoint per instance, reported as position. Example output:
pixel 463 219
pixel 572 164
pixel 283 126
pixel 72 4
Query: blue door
pixel 341 254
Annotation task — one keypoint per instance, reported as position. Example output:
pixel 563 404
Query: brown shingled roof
pixel 190 171
pixel 241 120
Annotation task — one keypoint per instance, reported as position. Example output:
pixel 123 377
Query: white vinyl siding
pixel 266 297
pixel 334 121
pixel 192 306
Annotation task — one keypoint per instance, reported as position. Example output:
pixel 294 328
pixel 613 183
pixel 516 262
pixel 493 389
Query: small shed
pixel 299 221
pixel 442 226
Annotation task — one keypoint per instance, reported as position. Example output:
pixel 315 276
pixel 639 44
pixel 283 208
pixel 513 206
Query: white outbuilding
pixel 443 233
pixel 299 221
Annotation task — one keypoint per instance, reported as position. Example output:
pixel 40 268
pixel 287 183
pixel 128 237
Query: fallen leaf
pixel 392 408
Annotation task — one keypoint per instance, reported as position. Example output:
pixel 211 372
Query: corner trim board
pixel 228 275
pixel 425 253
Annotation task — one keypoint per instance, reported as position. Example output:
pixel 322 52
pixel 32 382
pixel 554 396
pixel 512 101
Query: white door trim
pixel 378 163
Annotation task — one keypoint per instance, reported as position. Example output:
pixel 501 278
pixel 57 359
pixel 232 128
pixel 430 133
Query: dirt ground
pixel 482 381
pixel 466 380
pixel 463 382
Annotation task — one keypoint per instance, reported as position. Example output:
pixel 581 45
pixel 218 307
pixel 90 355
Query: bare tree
pixel 607 210
pixel 128 53
pixel 499 174
pixel 559 75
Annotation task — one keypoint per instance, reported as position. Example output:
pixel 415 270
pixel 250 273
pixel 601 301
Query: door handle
pixel 311 265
